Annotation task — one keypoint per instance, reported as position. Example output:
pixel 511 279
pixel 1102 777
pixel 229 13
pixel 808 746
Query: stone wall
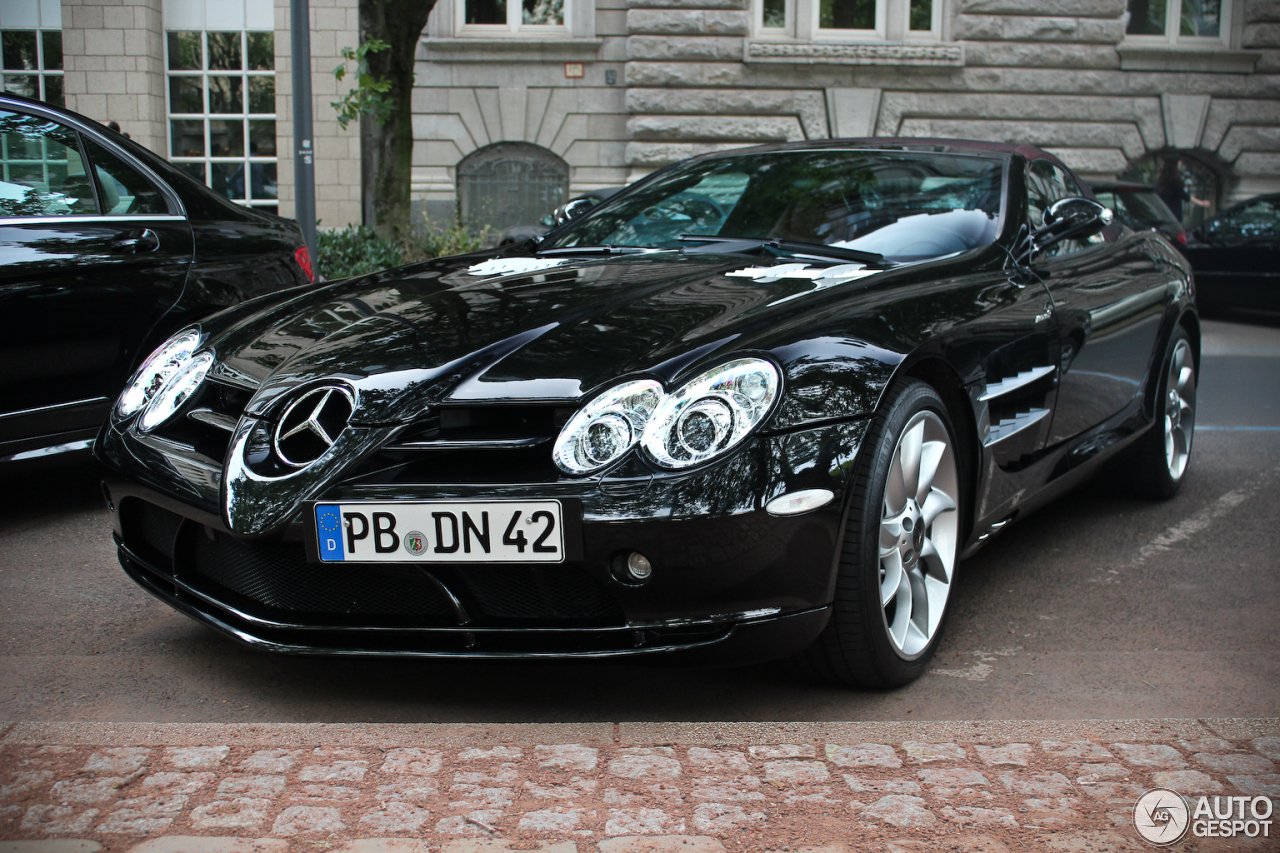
pixel 335 24
pixel 1055 73
pixel 472 92
pixel 113 55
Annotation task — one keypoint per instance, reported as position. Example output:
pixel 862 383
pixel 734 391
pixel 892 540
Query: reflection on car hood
pixel 523 329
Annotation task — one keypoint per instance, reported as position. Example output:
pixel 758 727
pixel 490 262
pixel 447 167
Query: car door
pixel 1108 299
pixel 93 252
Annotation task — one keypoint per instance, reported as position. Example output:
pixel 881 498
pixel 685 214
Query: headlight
pixel 711 413
pixel 607 427
pixel 158 369
pixel 175 392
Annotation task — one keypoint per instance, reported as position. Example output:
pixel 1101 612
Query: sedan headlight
pixel 158 369
pixel 711 413
pixel 175 392
pixel 607 427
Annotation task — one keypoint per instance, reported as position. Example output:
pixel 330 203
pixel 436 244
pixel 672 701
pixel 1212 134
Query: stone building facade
pixel 520 103
pixel 665 79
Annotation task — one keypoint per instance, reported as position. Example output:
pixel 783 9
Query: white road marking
pixel 980 670
pixel 1192 525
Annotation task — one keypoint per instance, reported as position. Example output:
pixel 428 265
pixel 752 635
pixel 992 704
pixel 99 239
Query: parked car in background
pixel 575 206
pixel 759 404
pixel 106 250
pixel 1139 207
pixel 1236 257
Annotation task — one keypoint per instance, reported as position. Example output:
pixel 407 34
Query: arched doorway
pixel 1198 179
pixel 510 183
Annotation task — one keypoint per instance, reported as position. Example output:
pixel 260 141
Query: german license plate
pixel 441 532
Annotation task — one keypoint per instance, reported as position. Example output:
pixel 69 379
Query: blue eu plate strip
pixel 329 526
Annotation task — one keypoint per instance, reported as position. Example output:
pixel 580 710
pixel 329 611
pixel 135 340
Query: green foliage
pixel 357 250
pixel 369 96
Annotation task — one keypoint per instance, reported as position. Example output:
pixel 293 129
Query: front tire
pixel 900 549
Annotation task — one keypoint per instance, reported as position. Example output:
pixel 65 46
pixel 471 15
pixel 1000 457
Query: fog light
pixel 631 568
pixel 638 566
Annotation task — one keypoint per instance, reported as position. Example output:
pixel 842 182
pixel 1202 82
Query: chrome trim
pixel 51 220
pixel 52 450
pixel 54 407
pixel 311 423
pixel 1013 383
pixel 217 420
pixel 1009 428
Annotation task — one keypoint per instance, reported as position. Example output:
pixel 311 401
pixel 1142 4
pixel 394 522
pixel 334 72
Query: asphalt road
pixel 1099 606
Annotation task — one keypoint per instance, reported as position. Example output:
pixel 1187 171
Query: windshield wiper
pixel 595 250
pixel 787 248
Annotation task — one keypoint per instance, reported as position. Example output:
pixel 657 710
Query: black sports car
pixel 1236 257
pixel 758 405
pixel 105 251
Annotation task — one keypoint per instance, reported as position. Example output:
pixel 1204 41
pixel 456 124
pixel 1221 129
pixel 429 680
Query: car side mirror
pixel 572 209
pixel 1071 219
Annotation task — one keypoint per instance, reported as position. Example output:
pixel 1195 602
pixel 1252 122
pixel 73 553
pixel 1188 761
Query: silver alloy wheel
pixel 918 534
pixel 1179 409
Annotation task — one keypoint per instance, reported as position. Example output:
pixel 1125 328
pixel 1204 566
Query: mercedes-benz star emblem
pixel 311 425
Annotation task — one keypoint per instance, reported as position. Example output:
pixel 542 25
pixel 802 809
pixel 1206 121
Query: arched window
pixel 1198 180
pixel 510 183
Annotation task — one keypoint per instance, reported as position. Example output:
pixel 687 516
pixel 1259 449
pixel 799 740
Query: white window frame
pixel 893 19
pixel 1172 25
pixel 202 74
pixel 39 72
pixel 514 26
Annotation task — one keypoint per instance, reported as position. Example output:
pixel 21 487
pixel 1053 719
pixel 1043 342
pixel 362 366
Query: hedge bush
pixel 357 250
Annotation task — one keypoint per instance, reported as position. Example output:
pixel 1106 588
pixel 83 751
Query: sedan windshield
pixel 906 206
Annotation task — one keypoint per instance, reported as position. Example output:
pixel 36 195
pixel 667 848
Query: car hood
pixel 531 329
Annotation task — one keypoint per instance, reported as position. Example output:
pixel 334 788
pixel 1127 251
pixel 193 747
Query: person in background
pixel 1170 187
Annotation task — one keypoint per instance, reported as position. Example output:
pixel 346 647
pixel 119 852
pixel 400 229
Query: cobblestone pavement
pixel 618 788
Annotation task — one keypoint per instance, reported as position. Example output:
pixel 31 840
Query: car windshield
pixel 906 206
pixel 1137 208
pixel 1258 219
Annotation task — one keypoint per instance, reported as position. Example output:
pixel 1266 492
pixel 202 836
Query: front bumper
pixel 730 582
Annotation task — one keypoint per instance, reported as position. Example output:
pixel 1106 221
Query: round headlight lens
pixel 158 369
pixel 175 392
pixel 711 413
pixel 607 427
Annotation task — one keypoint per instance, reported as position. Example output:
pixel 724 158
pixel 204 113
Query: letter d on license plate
pixel 441 532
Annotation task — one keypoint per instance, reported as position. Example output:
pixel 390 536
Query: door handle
pixel 134 242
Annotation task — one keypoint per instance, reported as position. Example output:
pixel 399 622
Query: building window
pixel 32 63
pixel 878 20
pixel 1189 22
pixel 222 111
pixel 510 183
pixel 501 17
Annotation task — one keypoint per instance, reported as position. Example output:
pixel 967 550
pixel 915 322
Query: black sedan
pixel 105 251
pixel 1236 258
pixel 1139 207
pixel 758 405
